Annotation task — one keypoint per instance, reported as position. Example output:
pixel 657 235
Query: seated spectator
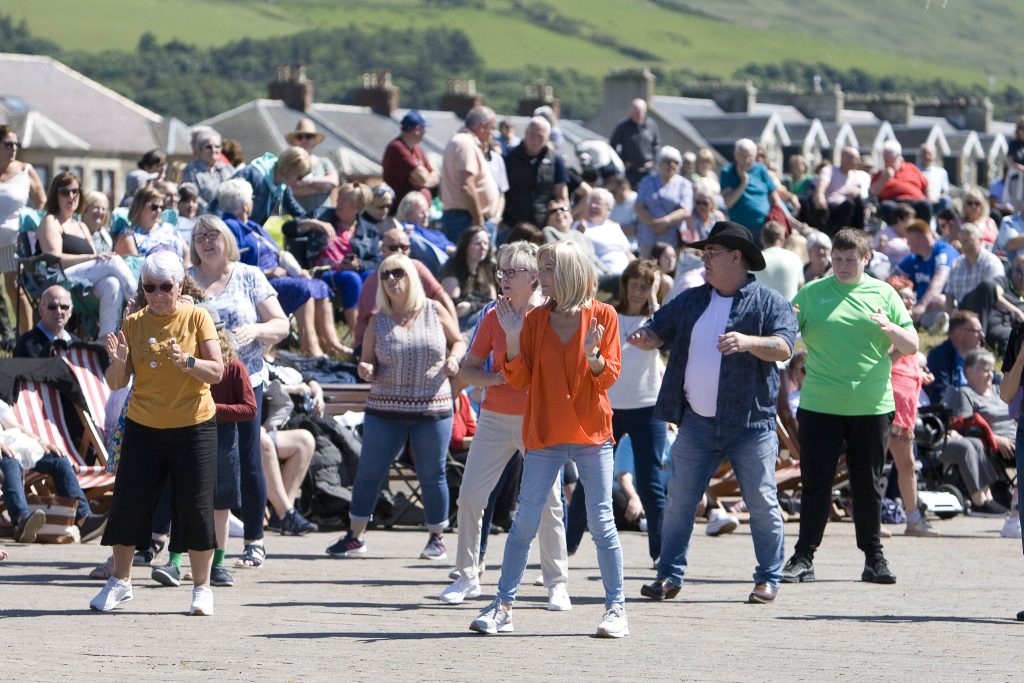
pixel 976 283
pixel 308 298
pixel 840 193
pixel 748 191
pixel 609 243
pixel 705 176
pixel 341 238
pixel 928 268
pixel 819 255
pixel 946 361
pixel 133 182
pixel 148 232
pixel 20 450
pixel 892 239
pixel 1015 283
pixel 272 179
pixel 937 177
pixel 664 201
pixel 96 217
pixel 783 271
pixel 699 223
pixel 624 211
pixel 947 222
pixel 800 181
pixel 560 227
pixel 898 182
pixel 979 397
pixel 188 210
pixel 1011 235
pixel 976 211
pixel 468 277
pixel 317 186
pixel 49 336
pixel 209 169
pixel 429 245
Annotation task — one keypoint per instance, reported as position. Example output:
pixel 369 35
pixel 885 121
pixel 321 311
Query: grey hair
pixel 976 357
pixel 162 266
pixel 669 153
pixel 233 195
pixel 478 116
pixel 540 122
pixel 893 147
pixel 203 135
pixel 971 229
pixel 745 143
pixel 604 195
pixel 928 146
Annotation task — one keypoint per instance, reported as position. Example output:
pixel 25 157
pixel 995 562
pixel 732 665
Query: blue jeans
pixel 383 441
pixel 696 455
pixel 540 468
pixel 1019 453
pixel 228 492
pixel 250 464
pixel 54 466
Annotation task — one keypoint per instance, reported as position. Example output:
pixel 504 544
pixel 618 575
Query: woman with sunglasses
pixel 209 169
pixel 18 184
pixel 148 231
pixel 705 214
pixel 62 235
pixel 567 354
pixel 411 347
pixel 171 349
pixel 249 307
pixel 499 436
pixel 976 211
pixel 317 187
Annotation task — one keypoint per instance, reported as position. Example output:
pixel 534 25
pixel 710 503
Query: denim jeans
pixel 540 469
pixel 1019 453
pixel 250 465
pixel 57 468
pixel 228 493
pixel 383 441
pixel 648 435
pixel 696 455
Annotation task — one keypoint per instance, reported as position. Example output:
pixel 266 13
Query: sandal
pixel 252 557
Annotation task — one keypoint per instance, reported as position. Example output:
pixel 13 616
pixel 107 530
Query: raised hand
pixel 365 371
pixel 883 321
pixel 595 333
pixel 644 339
pixel 178 357
pixel 510 319
pixel 117 347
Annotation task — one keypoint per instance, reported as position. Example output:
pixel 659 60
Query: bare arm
pixel 51 242
pixel 120 369
pixel 732 195
pixel 456 344
pixel 208 366
pixel 368 358
pixel 472 373
pixel 1011 380
pixel 904 339
pixel 421 177
pixel 35 189
pixel 451 286
pixel 934 291
pixel 768 349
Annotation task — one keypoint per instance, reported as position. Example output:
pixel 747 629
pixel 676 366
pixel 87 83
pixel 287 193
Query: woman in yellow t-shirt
pixel 172 349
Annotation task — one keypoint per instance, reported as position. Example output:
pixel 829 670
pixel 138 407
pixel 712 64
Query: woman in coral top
pixel 567 354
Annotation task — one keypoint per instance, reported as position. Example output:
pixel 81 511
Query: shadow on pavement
pixel 901 619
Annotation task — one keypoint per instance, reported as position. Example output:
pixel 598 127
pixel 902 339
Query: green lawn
pixel 961 42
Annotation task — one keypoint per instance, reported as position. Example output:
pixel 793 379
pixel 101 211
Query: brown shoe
pixel 763 594
pixel 660 589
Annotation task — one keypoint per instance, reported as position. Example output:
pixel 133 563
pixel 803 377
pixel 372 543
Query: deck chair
pixel 86 364
pixel 787 469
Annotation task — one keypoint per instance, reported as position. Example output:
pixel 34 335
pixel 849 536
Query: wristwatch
pixel 191 362
pixel 595 355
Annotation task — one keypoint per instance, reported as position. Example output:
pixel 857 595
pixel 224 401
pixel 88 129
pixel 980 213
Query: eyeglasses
pixel 205 236
pixel 509 273
pixel 11 144
pixel 712 253
pixel 153 206
pixel 393 274
pixel 558 209
pixel 68 191
pixel 54 307
pixel 397 247
pixel 165 287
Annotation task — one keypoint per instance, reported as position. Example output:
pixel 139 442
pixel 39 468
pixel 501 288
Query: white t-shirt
pixel 26 447
pixel 610 244
pixel 783 271
pixel 640 376
pixel 938 182
pixel 704 362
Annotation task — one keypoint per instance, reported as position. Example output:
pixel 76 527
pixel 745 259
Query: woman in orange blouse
pixel 566 353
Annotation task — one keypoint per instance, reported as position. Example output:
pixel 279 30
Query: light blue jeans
pixel 540 469
pixel 696 454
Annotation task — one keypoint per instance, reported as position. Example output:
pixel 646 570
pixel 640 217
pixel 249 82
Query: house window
pixel 103 181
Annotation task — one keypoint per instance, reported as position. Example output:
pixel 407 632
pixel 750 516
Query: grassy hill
pixel 967 42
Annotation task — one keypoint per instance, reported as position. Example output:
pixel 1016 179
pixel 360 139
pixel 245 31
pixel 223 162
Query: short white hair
pixel 669 153
pixel 745 144
pixel 540 122
pixel 893 147
pixel 233 195
pixel 162 265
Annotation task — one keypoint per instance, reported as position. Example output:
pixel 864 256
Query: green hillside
pixel 966 42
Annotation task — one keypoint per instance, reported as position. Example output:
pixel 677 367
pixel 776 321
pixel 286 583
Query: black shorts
pixel 149 457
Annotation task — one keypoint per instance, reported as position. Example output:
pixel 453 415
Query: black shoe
pixel 877 571
pixel 989 508
pixel 660 589
pixel 294 524
pixel 92 527
pixel 799 569
pixel 144 558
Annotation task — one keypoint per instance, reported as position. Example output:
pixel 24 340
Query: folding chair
pixel 84 361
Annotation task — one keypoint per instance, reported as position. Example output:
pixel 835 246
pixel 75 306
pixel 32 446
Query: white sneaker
pixel 112 594
pixel 614 623
pixel 493 620
pixel 1011 528
pixel 539 581
pixel 720 523
pixel 463 588
pixel 558 598
pixel 202 601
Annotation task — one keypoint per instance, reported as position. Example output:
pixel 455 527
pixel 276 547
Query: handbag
pixel 60 518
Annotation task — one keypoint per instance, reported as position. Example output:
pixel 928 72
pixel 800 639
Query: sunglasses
pixel 165 287
pixel 205 236
pixel 153 206
pixel 558 209
pixel 508 273
pixel 397 247
pixel 54 307
pixel 393 274
pixel 11 144
pixel 212 147
pixel 305 136
pixel 702 203
pixel 68 191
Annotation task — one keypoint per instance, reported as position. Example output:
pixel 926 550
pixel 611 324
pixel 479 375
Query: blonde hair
pixel 975 193
pixel 360 194
pixel 413 200
pixel 208 222
pixel 415 299
pixel 92 199
pixel 294 161
pixel 574 279
pixel 519 254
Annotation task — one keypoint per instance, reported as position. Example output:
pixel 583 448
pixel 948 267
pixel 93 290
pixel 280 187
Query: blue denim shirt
pixel 747 386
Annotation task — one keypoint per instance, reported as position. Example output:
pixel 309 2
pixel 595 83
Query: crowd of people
pixel 620 329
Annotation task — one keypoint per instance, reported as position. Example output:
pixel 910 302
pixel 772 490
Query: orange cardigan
pixel 566 402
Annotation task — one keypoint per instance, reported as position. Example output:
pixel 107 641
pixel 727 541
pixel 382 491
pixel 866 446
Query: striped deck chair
pixel 40 411
pixel 84 362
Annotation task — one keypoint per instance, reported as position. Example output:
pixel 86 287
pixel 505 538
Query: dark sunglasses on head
pixel 397 247
pixel 393 274
pixel 54 307
pixel 11 144
pixel 68 191
pixel 166 287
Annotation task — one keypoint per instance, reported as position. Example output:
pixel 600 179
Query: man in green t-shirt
pixel 849 322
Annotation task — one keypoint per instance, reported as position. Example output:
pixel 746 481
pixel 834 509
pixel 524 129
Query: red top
pixel 233 394
pixel 566 402
pixel 490 339
pixel 368 297
pixel 398 162
pixel 908 183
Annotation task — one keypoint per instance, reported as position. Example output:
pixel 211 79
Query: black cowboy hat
pixel 734 236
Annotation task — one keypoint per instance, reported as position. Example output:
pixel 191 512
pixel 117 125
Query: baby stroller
pixel 941 490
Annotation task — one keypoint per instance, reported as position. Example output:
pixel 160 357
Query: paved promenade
pixel 305 616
